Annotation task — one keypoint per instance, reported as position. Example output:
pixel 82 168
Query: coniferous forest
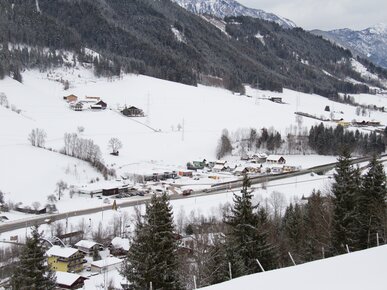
pixel 137 37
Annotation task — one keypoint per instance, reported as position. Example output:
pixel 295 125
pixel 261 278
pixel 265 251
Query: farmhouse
pixel 65 259
pixel 87 247
pixel 69 280
pixel 185 173
pixel 77 107
pixel 276 159
pixel 132 112
pixel 108 264
pixel 71 98
pixel 219 168
pixel 102 104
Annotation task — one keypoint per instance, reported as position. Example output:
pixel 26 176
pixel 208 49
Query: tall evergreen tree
pixel 372 205
pixel 293 223
pixel 246 240
pixel 33 272
pixel 152 256
pixel 345 190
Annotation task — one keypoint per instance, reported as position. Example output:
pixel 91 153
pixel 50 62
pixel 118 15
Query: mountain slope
pixel 227 8
pixel 161 39
pixel 370 43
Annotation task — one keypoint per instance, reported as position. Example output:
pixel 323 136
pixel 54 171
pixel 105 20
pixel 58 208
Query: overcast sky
pixel 326 14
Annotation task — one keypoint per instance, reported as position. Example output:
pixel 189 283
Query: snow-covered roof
pixel 61 251
pixel 121 243
pixel 274 157
pixel 106 262
pixel 86 244
pixel 64 278
pixel 219 166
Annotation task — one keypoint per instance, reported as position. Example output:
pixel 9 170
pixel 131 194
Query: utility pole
pixel 229 270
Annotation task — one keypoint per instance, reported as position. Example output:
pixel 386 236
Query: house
pixel 276 170
pixel 65 259
pixel 239 171
pixel 288 168
pixel 28 209
pixel 87 247
pixel 71 98
pixel 78 107
pixel 276 159
pixel 69 280
pixel 259 158
pixel 185 173
pixel 132 112
pixel 196 165
pixel 110 191
pixel 108 264
pixel 119 246
pixel 219 168
pixel 102 104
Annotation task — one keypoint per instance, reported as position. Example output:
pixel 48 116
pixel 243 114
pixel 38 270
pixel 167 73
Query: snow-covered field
pixel 30 174
pixel 355 271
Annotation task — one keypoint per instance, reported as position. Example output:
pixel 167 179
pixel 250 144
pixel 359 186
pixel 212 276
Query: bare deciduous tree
pixel 60 187
pixel 52 198
pixel 115 144
pixel 37 137
pixel 3 100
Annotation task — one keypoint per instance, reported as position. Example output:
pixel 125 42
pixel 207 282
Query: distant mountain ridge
pixel 370 43
pixel 227 8
pixel 163 40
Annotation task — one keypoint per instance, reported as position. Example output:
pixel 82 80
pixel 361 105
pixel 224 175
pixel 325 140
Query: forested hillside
pixel 161 39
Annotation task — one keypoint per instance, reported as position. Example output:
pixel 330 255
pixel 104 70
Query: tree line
pixel 330 141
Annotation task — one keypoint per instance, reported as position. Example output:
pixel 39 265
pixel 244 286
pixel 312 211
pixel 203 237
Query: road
pixel 215 189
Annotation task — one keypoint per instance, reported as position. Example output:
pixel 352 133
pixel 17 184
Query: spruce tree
pixel 294 228
pixel 152 256
pixel 246 240
pixel 33 272
pixel 372 205
pixel 345 191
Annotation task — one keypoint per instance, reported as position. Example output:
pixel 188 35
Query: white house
pixel 108 264
pixel 87 247
pixel 276 159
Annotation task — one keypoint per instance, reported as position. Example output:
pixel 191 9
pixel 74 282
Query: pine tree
pixel 152 256
pixel 246 240
pixel 345 191
pixel 216 267
pixel 33 272
pixel 372 205
pixel 293 223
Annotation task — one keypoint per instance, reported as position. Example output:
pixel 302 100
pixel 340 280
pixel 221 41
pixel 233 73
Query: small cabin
pixel 132 112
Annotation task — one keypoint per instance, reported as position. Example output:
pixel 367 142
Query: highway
pixel 214 189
